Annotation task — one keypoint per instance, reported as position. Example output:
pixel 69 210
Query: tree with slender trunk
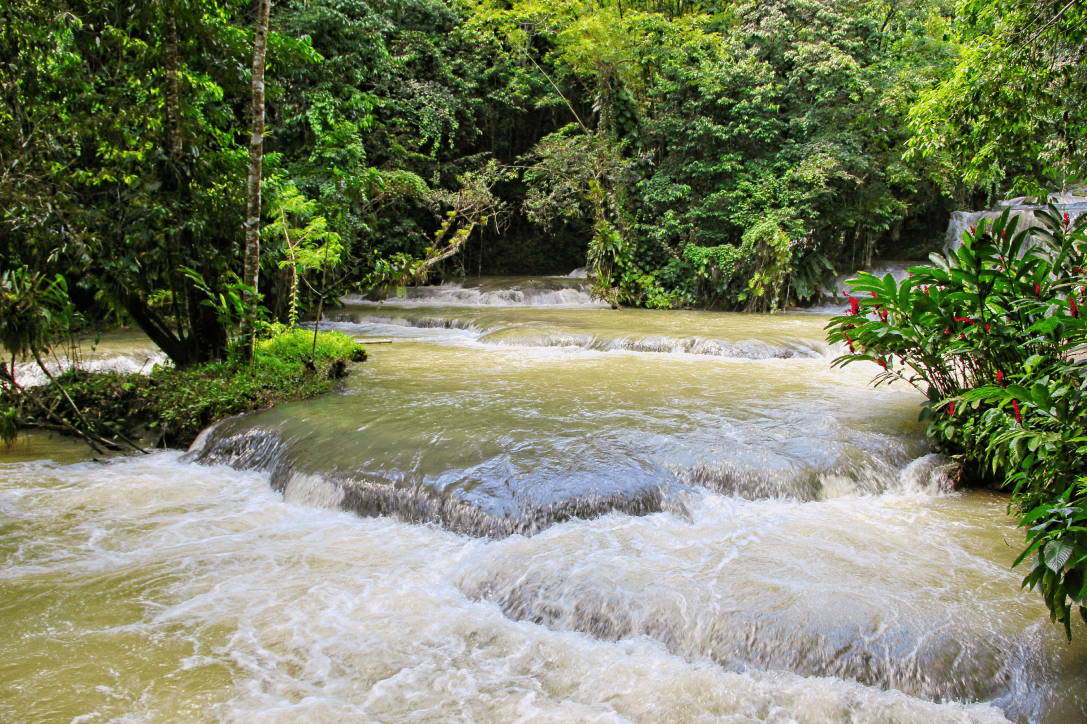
pixel 256 152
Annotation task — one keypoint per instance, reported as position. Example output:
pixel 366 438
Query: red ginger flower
pixel 951 409
pixel 854 306
pixel 1072 307
pixel 1066 222
pixel 1038 290
pixel 1000 378
pixel 1018 414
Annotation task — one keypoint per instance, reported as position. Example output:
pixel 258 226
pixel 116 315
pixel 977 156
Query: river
pixel 531 507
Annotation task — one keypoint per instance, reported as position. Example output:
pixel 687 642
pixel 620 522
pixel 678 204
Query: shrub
pixel 992 335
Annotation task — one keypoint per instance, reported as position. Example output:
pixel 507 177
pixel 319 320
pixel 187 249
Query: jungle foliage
pixel 694 154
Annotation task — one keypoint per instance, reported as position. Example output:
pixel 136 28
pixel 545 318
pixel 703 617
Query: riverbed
pixel 531 507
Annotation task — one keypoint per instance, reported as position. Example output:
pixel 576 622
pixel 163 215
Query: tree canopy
pixel 732 154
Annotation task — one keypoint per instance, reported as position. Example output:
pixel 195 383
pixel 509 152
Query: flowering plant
pixel 991 333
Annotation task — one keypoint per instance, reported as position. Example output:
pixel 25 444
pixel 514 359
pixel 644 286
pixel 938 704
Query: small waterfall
pixel 28 374
pixel 401 495
pixel 840 290
pixel 856 474
pixel 502 333
pixel 961 221
pixel 748 349
pixel 571 291
pixel 371 496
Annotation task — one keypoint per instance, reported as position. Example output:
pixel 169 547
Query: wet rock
pixel 337 370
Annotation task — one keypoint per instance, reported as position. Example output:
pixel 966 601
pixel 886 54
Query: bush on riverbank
pixel 994 335
pixel 169 407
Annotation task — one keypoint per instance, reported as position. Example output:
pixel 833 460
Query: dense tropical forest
pixel 731 155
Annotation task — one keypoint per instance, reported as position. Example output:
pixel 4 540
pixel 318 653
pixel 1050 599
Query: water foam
pixel 217 602
pixel 28 374
pixel 499 292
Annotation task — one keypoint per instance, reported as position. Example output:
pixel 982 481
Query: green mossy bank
pixel 169 407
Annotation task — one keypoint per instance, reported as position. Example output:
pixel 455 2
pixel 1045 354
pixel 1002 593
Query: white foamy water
pixel 563 292
pixel 123 352
pixel 724 529
pixel 148 590
pixel 29 374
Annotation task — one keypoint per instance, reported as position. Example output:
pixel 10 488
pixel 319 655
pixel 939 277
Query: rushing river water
pixel 530 507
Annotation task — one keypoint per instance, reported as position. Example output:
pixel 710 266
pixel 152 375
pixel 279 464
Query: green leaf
pixel 1056 553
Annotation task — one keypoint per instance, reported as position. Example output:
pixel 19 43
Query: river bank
pixel 167 408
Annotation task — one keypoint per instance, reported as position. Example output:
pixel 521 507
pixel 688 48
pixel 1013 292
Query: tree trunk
pixel 173 93
pixel 256 152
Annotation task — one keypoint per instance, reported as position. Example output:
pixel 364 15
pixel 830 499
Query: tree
pixel 127 177
pixel 1015 106
pixel 256 153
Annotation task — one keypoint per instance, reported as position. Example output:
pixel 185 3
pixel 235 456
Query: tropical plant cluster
pixel 993 333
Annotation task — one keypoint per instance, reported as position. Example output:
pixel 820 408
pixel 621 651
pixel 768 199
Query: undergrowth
pixel 169 407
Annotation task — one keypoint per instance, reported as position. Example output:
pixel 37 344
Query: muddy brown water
pixel 535 510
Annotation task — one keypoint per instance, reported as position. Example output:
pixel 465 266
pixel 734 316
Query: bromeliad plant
pixel 993 335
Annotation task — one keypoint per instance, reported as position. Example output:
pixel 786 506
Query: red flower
pixel 926 290
pixel 951 409
pixel 854 306
pixel 947 331
pixel 1038 290
pixel 972 229
pixel 847 339
pixel 963 336
pixel 1000 378
pixel 883 315
pixel 986 329
pixel 873 294
pixel 1072 305
pixel 1066 222
pixel 1018 414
